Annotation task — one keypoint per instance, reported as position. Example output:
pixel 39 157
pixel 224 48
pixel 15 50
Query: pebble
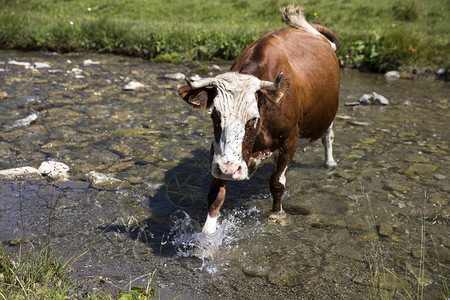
pixel 54 71
pixel 175 76
pixel 54 170
pixel 26 121
pixel 358 123
pixel 19 63
pixel 40 65
pixel 385 229
pixel 133 85
pixel 370 99
pixel 3 95
pixel 106 181
pixel 90 62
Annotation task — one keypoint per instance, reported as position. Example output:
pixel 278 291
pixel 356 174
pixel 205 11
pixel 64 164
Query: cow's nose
pixel 230 169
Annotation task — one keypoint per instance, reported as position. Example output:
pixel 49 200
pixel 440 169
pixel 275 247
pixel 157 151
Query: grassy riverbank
pixel 376 35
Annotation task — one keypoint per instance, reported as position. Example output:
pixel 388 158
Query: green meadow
pixel 375 35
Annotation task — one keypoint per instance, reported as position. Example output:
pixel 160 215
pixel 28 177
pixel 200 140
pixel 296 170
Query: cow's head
pixel 232 99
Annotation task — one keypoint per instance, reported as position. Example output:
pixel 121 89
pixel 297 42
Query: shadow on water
pixel 185 190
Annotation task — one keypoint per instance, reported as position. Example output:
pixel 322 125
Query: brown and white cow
pixel 281 90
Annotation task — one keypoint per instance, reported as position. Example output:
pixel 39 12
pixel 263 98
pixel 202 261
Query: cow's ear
pixel 275 96
pixel 199 98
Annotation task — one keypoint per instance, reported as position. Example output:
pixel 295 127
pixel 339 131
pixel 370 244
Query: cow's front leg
pixel 278 180
pixel 216 196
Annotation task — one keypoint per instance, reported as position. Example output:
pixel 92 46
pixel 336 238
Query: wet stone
pixel 385 229
pixel 420 169
pixel 3 95
pixel 442 253
pixel 122 149
pixel 106 181
pixel 135 179
pixel 437 200
pixel 394 186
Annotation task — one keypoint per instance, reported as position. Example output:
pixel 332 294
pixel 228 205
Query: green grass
pixel 37 276
pixel 377 35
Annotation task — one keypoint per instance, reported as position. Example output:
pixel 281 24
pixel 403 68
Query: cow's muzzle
pixel 228 171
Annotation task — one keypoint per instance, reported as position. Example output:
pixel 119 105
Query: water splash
pixel 214 248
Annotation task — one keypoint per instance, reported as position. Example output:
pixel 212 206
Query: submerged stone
pixel 106 181
pixel 420 169
pixel 385 229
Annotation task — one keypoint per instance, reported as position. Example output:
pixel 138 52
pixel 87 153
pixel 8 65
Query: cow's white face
pixel 235 116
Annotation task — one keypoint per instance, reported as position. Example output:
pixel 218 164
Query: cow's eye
pixel 252 122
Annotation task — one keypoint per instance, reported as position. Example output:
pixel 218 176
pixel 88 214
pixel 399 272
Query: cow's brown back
pixel 311 78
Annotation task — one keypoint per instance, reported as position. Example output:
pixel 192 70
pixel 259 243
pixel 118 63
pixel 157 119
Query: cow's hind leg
pixel 327 141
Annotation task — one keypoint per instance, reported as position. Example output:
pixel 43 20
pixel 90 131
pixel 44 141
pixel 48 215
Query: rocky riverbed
pixel 134 154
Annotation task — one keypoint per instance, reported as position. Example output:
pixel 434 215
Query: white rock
pixel 175 76
pixel 76 71
pixel 392 75
pixel 54 170
pixel 379 99
pixel 19 63
pixel 216 67
pixel 133 85
pixel 101 179
pixel 365 99
pixel 90 62
pixel 22 172
pixel 26 121
pixel 374 98
pixel 41 65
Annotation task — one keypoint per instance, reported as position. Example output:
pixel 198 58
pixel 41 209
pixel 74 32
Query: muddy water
pixel 344 227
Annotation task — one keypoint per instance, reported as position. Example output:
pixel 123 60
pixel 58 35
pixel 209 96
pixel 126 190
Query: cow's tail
pixel 293 17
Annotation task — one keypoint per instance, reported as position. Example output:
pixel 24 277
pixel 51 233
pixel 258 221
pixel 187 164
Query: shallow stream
pixel 344 227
